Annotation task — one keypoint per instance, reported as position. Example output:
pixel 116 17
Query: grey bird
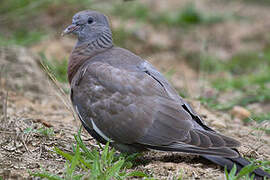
pixel 121 98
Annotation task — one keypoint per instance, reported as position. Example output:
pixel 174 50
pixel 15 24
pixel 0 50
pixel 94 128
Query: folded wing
pixel 133 106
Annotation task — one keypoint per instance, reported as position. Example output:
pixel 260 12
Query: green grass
pixel 12 8
pixel 15 21
pixel 132 9
pixel 261 117
pixel 240 63
pixel 26 22
pixel 58 68
pixel 83 163
pixel 120 36
pixel 180 176
pixel 243 174
pixel 243 72
pixel 17 16
pixel 22 37
pixel 44 131
pixel 19 10
pixel 252 87
pixel 188 15
pixel 264 164
pixel 246 73
pixel 266 130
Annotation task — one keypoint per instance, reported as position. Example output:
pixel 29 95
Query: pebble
pixel 240 112
pixel 218 124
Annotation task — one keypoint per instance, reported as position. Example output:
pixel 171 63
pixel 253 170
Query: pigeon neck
pixel 96 41
pixel 83 51
pixel 104 41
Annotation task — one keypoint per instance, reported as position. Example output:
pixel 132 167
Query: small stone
pixel 218 124
pixel 240 112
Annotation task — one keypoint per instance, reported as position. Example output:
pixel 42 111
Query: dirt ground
pixel 30 100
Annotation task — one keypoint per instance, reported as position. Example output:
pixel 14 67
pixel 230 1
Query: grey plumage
pixel 121 97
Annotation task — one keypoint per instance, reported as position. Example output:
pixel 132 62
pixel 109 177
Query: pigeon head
pixel 89 26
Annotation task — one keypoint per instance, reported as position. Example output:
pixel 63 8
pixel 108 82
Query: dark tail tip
pixel 240 162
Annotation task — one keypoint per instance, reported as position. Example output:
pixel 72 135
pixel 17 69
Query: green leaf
pixel 246 170
pixel 28 130
pixel 231 175
pixel 103 165
pixel 74 162
pixel 137 174
pixel 95 170
pixel 111 157
pixel 105 154
pixel 77 177
pixel 113 171
pixel 233 172
pixel 83 146
pixel 86 165
pixel 46 175
pixel 67 156
pixel 226 173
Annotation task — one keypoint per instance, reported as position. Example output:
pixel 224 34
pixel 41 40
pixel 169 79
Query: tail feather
pixel 240 162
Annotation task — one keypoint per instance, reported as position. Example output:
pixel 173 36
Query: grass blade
pixel 82 145
pixel 46 175
pixel 137 174
pixel 74 162
pixel 247 170
pixel 114 170
pixel 67 156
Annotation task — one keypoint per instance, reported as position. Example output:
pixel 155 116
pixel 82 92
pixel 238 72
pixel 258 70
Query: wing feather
pixel 132 106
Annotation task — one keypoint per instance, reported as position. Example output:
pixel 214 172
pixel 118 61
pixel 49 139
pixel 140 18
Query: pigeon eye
pixel 90 20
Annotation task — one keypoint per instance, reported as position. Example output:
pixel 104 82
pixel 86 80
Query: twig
pixel 257 126
pixel 62 95
pixel 258 144
pixel 40 151
pixel 25 146
pixel 5 107
pixel 7 132
pixel 45 123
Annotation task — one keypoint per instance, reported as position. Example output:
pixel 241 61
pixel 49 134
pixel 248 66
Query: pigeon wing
pixel 130 105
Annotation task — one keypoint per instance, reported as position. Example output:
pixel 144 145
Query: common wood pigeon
pixel 121 98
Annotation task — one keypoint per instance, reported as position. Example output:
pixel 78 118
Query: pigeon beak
pixel 70 29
